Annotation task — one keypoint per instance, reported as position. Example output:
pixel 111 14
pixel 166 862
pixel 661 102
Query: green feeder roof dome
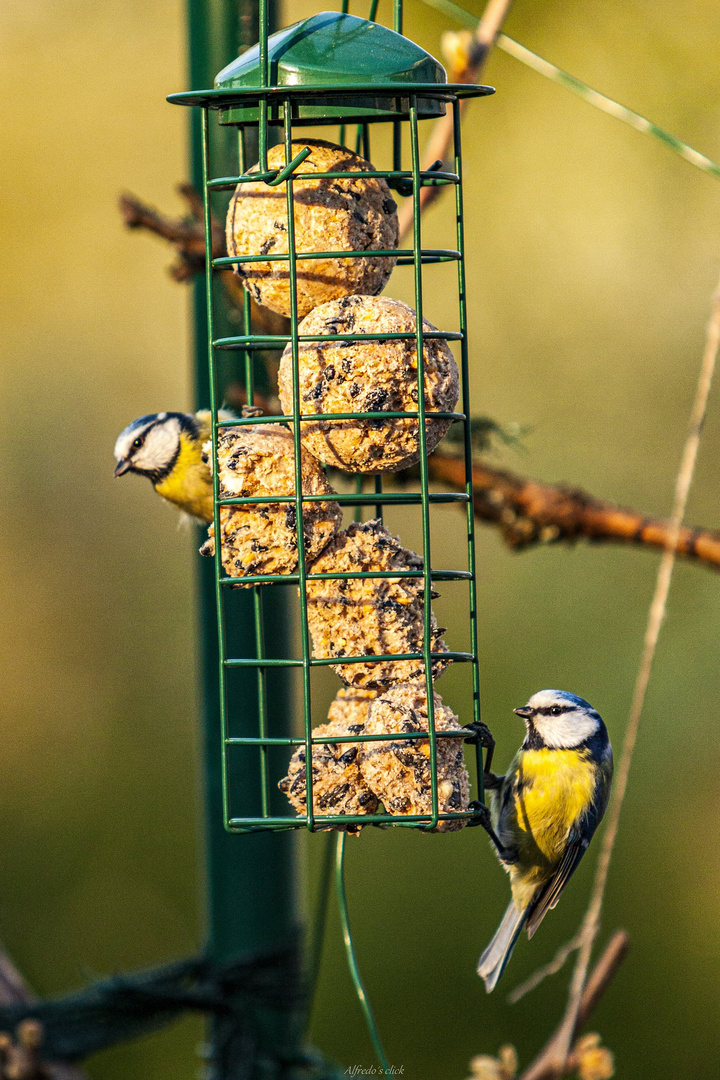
pixel 335 48
pixel 339 67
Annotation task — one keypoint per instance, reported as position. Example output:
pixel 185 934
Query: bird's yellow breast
pixel 189 485
pixel 552 789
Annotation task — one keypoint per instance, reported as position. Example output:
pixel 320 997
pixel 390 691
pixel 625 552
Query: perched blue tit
pixel 167 447
pixel 544 812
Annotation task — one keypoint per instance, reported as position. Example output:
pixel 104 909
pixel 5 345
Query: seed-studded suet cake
pixel 342 214
pixel 261 538
pixel 399 772
pixel 338 785
pixel 368 376
pixel 372 616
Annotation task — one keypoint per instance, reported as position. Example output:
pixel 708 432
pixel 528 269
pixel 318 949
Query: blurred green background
pixel 593 253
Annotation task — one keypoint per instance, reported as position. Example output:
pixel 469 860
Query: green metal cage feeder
pixel 331 69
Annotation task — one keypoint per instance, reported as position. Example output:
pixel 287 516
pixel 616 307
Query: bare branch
pixel 547 1066
pixel 528 512
pixel 186 234
pixel 13 988
pixel 602 975
pixel 468 63
pixel 656 615
pixel 551 968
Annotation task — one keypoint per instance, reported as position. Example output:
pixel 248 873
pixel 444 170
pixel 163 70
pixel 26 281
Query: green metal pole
pixel 251 888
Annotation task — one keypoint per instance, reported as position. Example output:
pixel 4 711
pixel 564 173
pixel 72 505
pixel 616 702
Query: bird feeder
pixel 334 70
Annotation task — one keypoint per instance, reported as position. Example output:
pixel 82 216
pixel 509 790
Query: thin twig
pixel 545 1066
pixel 551 968
pixel 591 922
pixel 587 93
pixel 602 975
pixel 440 140
pixel 13 988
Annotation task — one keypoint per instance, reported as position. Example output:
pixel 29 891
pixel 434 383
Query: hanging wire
pixel 350 954
pixel 320 921
pixel 587 93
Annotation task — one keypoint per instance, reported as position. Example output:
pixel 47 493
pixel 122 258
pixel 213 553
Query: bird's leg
pixel 482 817
pixel 481 734
pixel 491 781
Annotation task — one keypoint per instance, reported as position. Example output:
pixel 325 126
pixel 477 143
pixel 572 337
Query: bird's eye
pixel 556 710
pixel 137 444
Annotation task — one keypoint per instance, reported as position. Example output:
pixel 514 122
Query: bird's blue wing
pixel 549 894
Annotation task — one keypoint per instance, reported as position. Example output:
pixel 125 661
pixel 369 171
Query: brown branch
pixel 526 512
pixel 545 1066
pixel 467 67
pixel 187 234
pixel 529 513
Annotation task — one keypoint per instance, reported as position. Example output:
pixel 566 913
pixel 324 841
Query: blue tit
pixel 167 447
pixel 544 812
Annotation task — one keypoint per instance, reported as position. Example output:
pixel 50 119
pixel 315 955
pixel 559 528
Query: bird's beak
pixel 122 467
pixel 526 712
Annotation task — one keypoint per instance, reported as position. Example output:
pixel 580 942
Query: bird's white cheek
pixel 564 732
pixel 159 449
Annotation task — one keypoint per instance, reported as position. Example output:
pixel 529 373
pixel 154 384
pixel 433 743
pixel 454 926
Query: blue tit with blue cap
pixel 544 812
pixel 171 449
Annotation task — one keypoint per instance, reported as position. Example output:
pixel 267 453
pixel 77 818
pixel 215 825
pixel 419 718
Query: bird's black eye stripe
pixel 555 710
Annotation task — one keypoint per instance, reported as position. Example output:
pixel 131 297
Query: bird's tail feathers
pixel 493 961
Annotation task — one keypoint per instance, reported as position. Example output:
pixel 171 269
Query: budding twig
pixel 547 1065
pixel 466 68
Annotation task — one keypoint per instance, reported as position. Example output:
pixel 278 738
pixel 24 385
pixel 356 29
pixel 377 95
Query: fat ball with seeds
pixel 258 461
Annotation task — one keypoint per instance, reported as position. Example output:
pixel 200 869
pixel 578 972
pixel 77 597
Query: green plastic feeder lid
pixel 340 68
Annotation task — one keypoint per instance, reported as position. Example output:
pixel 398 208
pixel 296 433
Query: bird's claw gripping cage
pixel 335 69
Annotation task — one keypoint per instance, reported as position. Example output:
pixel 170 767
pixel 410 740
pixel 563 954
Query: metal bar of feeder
pixel 278 341
pixel 428 178
pixel 297 447
pixel 364 575
pixel 424 477
pixel 326 661
pixel 328 418
pixel 395 736
pixel 465 381
pixel 402 498
pixel 426 255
